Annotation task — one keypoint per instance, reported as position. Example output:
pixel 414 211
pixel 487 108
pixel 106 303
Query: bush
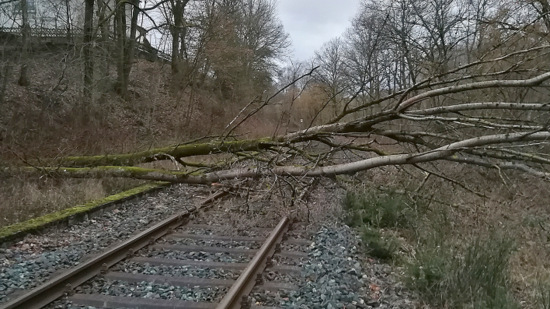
pixel 380 247
pixel 370 213
pixel 387 211
pixel 477 278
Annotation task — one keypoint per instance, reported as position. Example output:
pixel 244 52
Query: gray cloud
pixel 311 23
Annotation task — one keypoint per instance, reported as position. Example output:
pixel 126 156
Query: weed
pixel 370 213
pixel 387 211
pixel 475 278
pixel 378 246
pixel 543 293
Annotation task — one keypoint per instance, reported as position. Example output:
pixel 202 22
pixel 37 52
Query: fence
pixel 44 32
pixel 67 36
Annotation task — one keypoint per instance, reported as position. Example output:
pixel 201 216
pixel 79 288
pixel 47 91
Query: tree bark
pixel 441 153
pixel 105 43
pixel 4 80
pixel 24 79
pixel 130 47
pixel 120 28
pixel 87 49
pixel 167 153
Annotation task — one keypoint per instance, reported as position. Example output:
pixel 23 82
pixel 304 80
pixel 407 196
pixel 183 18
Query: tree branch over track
pixel 444 152
pixel 475 117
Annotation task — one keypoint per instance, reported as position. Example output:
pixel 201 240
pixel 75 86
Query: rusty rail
pixel 58 286
pixel 247 279
pixel 63 284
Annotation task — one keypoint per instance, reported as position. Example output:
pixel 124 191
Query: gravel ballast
pixel 334 277
pixel 335 274
pixel 33 260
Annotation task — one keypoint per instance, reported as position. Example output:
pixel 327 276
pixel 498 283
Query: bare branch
pixel 534 81
pixel 482 106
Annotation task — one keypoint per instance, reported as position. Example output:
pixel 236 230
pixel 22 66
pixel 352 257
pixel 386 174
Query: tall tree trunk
pixel 68 17
pixel 177 30
pixel 177 11
pixel 130 47
pixel 4 80
pixel 125 45
pixel 26 33
pixel 87 49
pixel 120 28
pixel 105 46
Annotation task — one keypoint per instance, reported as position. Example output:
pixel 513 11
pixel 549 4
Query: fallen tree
pixel 447 152
pixel 433 120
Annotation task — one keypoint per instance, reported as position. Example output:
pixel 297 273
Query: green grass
pixel 444 271
pixel 385 211
pixel 475 277
pixel 371 213
pixel 543 293
pixel 379 246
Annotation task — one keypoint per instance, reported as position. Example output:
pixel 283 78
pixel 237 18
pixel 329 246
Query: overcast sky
pixel 311 23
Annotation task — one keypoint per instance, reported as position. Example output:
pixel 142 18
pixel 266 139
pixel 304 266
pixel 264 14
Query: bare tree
pixel 245 38
pixel 463 113
pixel 331 74
pixel 25 37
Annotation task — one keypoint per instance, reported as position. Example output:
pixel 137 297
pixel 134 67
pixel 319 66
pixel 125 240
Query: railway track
pixel 198 265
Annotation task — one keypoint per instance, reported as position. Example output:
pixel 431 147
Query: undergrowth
pixel 25 198
pixel 372 214
pixel 444 271
pixel 472 277
pixel 543 292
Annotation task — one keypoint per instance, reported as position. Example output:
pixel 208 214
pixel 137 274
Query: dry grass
pixel 51 119
pixel 23 199
pixel 511 205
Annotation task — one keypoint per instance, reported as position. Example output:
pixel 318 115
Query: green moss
pixel 167 153
pixel 58 216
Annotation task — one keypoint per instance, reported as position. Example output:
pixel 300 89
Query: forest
pixel 438 105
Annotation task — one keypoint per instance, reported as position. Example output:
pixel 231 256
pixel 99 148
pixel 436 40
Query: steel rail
pixel 58 286
pixel 63 283
pixel 247 279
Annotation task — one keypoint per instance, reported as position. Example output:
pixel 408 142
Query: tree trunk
pixel 68 17
pixel 168 153
pixel 120 28
pixel 4 80
pixel 175 32
pixel 87 49
pixel 26 33
pixel 130 48
pixel 105 44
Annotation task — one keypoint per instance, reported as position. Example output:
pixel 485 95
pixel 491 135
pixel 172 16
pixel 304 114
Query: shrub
pixel 387 211
pixel 380 247
pixel 543 294
pixel 475 278
pixel 370 213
